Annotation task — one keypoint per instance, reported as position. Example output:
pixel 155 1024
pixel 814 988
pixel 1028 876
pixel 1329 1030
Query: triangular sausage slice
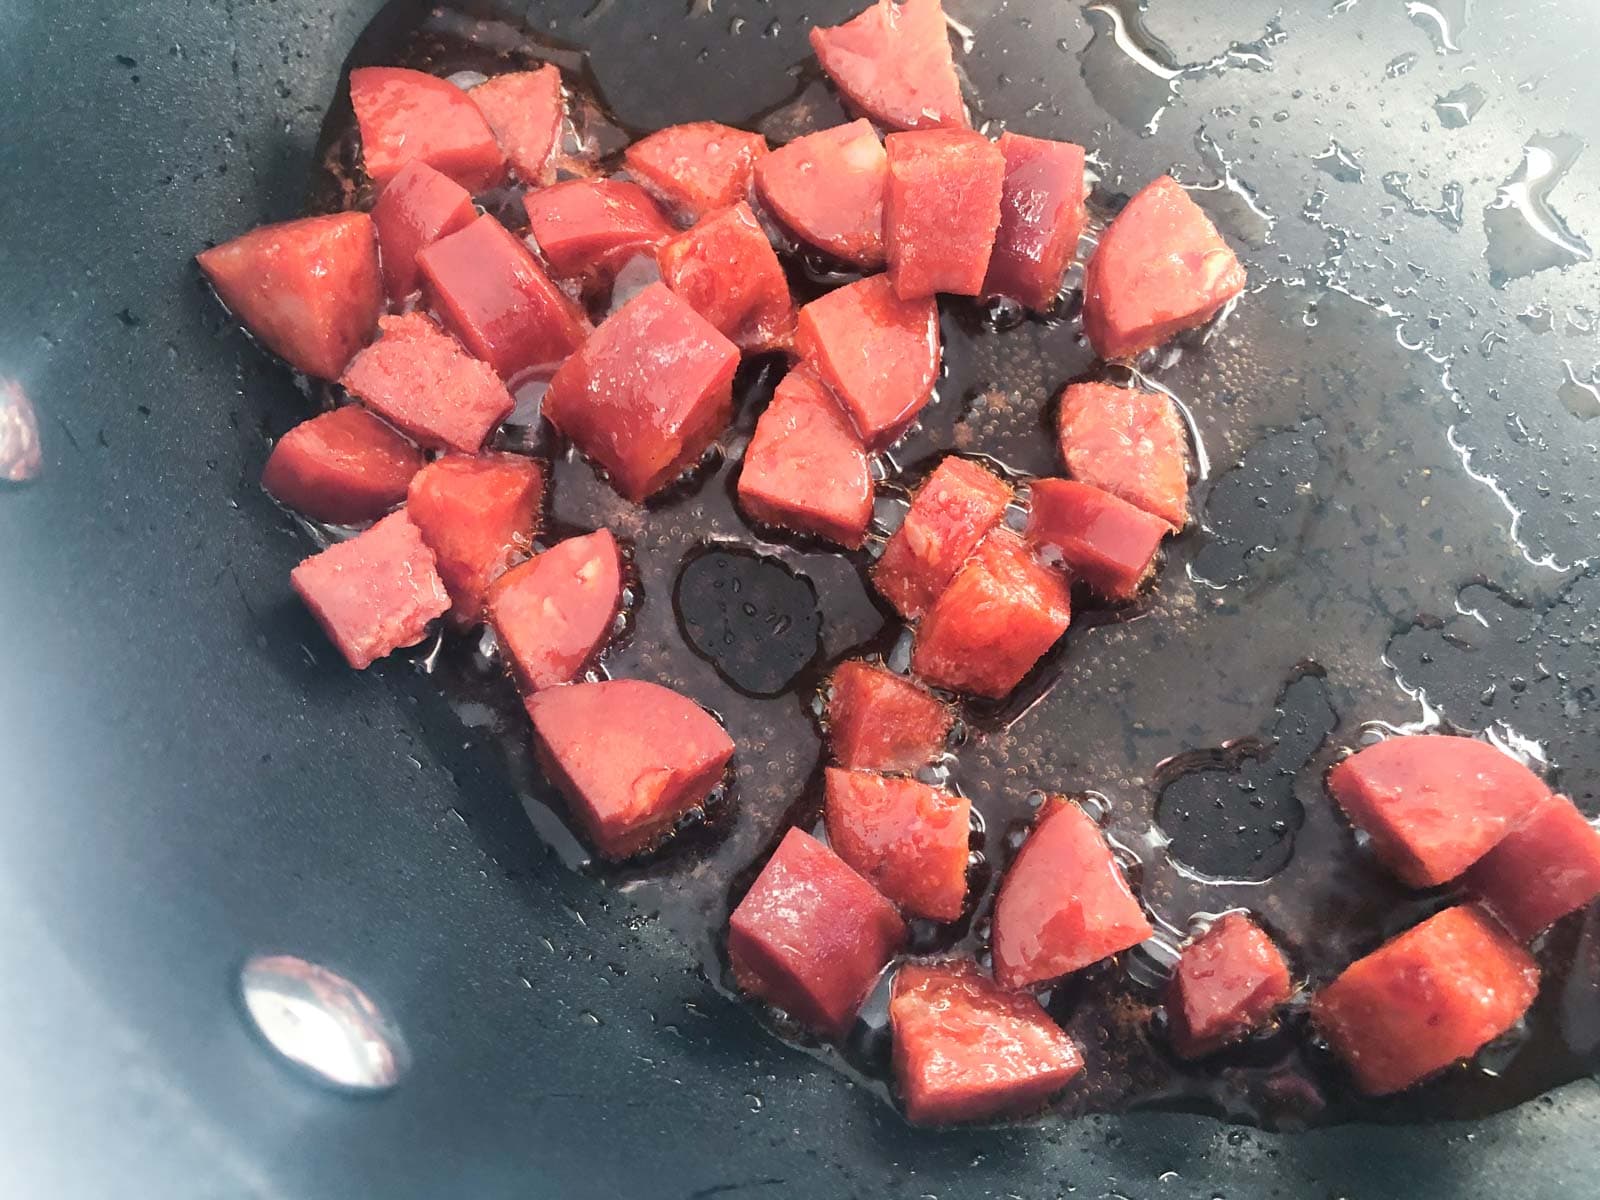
pixel 1434 805
pixel 407 115
pixel 1064 904
pixel 827 188
pixel 631 757
pixel 1161 267
pixel 1129 443
pixel 893 62
pixel 524 109
pixel 309 289
pixel 966 1050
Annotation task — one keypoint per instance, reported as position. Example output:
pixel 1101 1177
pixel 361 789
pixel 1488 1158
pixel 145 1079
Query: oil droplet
pixel 1538 317
pixel 1581 396
pixel 1342 164
pixel 761 641
pixel 1444 20
pixel 1401 64
pixel 1524 233
pixel 1449 212
pixel 1136 77
pixel 1457 108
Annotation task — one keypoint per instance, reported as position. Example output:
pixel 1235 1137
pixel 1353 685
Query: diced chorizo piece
pixel 419 207
pixel 1161 267
pixel 827 189
pixel 1225 987
pixel 492 293
pixel 997 618
pixel 893 62
pixel 344 466
pixel 590 227
pixel 967 1050
pixel 728 272
pixel 879 354
pixel 805 468
pixel 479 515
pixel 951 513
pixel 1543 869
pixel 696 169
pixel 630 757
pixel 648 393
pixel 1129 443
pixel 310 289
pixel 554 612
pixel 21 457
pixel 1064 904
pixel 525 110
pixel 879 721
pixel 408 115
pixel 811 936
pixel 1097 537
pixel 1042 215
pixel 373 593
pixel 1434 805
pixel 940 210
pixel 420 378
pixel 1425 999
pixel 907 839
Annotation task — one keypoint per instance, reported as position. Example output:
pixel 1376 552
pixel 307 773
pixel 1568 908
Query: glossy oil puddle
pixel 1337 509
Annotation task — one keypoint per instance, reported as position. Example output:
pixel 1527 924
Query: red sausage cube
pixel 648 393
pixel 728 272
pixel 630 757
pixel 1225 987
pixel 1429 997
pixel 554 612
pixel 590 227
pixel 1103 540
pixel 1161 267
pixel 309 289
pixel 893 62
pixel 941 210
pixel 879 354
pixel 525 111
pixel 697 168
pixel 344 466
pixel 805 468
pixel 907 839
pixel 492 293
pixel 1041 218
pixel 997 618
pixel 951 513
pixel 417 376
pixel 1543 869
pixel 966 1050
pixel 1129 443
pixel 419 207
pixel 827 188
pixel 1064 904
pixel 811 936
pixel 1434 805
pixel 407 116
pixel 373 593
pixel 480 516
pixel 878 721
pixel 21 458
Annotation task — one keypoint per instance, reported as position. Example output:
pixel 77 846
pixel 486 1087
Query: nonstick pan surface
pixel 190 780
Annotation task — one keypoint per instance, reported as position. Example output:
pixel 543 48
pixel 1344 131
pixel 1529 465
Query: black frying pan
pixel 190 778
